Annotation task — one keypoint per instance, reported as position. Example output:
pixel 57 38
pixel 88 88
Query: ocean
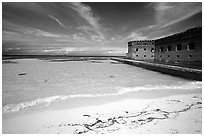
pixel 30 82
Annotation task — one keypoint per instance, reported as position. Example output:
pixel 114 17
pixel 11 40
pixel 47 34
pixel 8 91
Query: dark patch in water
pixel 9 62
pixel 115 62
pixel 96 62
pixel 45 81
pixel 111 76
pixel 87 115
pixel 22 74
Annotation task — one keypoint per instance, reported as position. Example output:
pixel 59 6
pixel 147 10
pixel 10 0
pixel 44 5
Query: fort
pixel 179 54
pixel 185 46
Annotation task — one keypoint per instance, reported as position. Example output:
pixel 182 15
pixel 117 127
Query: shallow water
pixel 30 82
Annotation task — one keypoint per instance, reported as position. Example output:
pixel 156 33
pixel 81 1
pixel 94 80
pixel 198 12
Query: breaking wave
pixel 48 100
pixel 187 86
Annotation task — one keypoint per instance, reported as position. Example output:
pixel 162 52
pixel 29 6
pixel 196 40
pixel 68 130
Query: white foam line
pixel 121 91
pixel 189 86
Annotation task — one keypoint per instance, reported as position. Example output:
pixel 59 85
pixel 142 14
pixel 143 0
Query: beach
pixel 168 115
pixel 97 97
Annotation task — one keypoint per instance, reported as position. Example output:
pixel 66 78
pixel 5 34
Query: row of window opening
pixel 152 49
pixel 146 56
pixel 190 46
pixel 189 56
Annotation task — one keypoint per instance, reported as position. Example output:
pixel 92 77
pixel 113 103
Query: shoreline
pixel 111 117
pixel 62 101
pixel 187 73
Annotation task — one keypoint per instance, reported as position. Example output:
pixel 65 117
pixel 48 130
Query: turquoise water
pixel 29 82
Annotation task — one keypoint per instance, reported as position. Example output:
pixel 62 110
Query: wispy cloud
pixel 169 13
pixel 86 13
pixel 61 50
pixel 134 36
pixel 41 33
pixel 29 6
pixel 87 29
pixel 166 15
pixel 75 26
pixel 57 20
pixel 79 37
pixel 14 32
pixel 96 38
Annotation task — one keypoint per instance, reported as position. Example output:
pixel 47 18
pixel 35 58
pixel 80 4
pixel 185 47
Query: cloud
pixel 166 15
pixel 162 6
pixel 134 36
pixel 77 25
pixel 14 32
pixel 97 38
pixel 78 37
pixel 65 50
pixel 40 33
pixel 30 6
pixel 57 20
pixel 96 50
pixel 169 13
pixel 87 29
pixel 86 13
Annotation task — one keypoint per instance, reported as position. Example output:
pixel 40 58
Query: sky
pixel 94 28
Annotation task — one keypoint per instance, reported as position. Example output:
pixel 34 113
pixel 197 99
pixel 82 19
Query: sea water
pixel 30 82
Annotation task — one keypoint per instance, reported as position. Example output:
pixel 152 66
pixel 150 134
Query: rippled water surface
pixel 27 82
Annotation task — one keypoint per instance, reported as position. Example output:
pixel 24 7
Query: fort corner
pixel 141 50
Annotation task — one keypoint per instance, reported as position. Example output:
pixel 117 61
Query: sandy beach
pixel 172 114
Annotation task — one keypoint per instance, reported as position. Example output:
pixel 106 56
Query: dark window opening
pixel 136 49
pixel 178 47
pixel 160 56
pixel 177 56
pixel 191 46
pixel 145 49
pixel 189 56
pixel 161 49
pixel 169 48
pixel 152 50
pixel 144 55
pixel 152 56
pixel 136 55
pixel 168 56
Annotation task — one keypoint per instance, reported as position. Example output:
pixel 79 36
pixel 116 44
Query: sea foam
pixel 121 91
pixel 187 86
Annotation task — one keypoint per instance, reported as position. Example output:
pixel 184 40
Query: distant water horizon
pixel 22 56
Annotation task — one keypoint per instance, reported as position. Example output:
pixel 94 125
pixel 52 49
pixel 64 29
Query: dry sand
pixel 167 115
